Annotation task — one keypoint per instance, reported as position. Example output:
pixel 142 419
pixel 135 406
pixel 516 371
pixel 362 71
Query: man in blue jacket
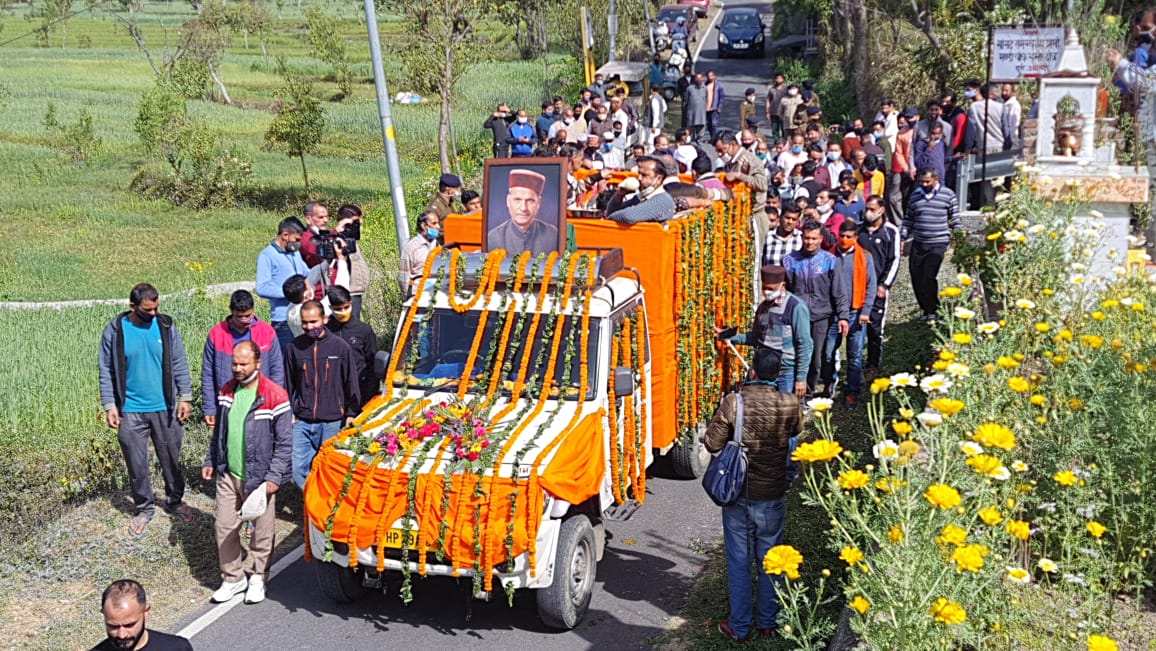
pixel 857 268
pixel 812 276
pixel 251 450
pixel 522 136
pixel 147 393
pixel 217 359
pixel 276 263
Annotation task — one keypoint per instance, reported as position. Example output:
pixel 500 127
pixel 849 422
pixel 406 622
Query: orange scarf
pixel 859 279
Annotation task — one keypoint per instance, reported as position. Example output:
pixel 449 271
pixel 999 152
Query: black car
pixel 741 32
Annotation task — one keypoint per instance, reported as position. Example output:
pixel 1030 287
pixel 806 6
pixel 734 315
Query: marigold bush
pixel 1005 507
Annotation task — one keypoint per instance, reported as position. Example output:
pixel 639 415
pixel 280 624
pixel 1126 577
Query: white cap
pixel 685 155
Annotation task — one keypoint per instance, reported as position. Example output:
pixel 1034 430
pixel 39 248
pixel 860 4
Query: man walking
pixel 858 271
pixel 812 275
pixel 880 238
pixel 147 393
pixel 360 337
pixel 932 215
pixel 251 450
pixel 323 383
pixel 716 95
pixel 217 361
pixel 754 524
pixel 694 108
pixel 786 238
pixel 277 263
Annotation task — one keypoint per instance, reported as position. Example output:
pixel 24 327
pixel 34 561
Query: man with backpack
pixel 766 419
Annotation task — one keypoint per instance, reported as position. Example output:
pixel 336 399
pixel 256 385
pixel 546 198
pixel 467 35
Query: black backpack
pixel 727 472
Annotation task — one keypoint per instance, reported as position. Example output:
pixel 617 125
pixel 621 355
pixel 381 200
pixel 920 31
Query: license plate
pixel 394 537
pixel 741 46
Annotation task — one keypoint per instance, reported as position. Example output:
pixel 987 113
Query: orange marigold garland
pixel 615 450
pixel 640 366
pixel 520 380
pixel 407 324
pixel 486 290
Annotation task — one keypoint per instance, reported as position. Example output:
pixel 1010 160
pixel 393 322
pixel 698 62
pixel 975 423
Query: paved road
pixel 648 568
pixel 737 74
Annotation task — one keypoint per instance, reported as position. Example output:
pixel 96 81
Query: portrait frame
pixel 552 207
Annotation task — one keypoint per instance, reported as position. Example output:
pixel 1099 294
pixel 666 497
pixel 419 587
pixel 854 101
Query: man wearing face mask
pixel 1012 115
pixel 828 174
pixel 794 155
pixel 360 337
pixel 276 264
pixel 782 323
pixel 251 450
pixel 147 394
pixel 694 108
pixel 859 277
pixel 880 238
pixel 812 275
pixel 449 188
pixel 563 124
pixel 775 93
pixel 747 108
pixel 499 125
pixel 545 120
pixel 900 184
pixel 324 386
pixel 522 136
pixel 931 218
pixel 744 167
pixel 415 252
pixel 217 359
pixel 788 107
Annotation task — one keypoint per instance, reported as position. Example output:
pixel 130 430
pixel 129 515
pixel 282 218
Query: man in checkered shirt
pixel 784 239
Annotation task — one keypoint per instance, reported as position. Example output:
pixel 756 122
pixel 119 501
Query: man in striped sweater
pixel 931 217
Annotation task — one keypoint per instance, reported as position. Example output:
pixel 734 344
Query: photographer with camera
pixel 336 249
pixel 349 224
pixel 316 221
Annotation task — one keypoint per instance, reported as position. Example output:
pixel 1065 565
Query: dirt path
pixel 212 290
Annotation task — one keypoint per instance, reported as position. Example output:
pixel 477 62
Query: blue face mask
pixel 431 234
pixel 833 156
pixel 762 155
pixel 797 149
pixel 878 135
pixel 970 94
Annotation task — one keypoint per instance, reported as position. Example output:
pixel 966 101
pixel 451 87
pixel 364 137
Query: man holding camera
pixel 316 221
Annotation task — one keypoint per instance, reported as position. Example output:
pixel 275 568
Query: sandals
pixel 182 511
pixel 138 524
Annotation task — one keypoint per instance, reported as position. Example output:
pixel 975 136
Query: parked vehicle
pixel 670 15
pixel 700 6
pixel 741 31
pixel 661 35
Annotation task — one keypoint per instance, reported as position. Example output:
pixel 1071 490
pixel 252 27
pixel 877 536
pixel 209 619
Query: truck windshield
pixel 440 342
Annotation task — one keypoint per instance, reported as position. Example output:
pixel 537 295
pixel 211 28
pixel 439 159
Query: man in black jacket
pixel 323 385
pixel 360 337
pixel 499 124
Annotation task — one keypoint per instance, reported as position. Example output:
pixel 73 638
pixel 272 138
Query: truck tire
pixel 564 603
pixel 339 583
pixel 689 459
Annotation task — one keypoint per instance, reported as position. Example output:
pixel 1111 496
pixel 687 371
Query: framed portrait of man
pixel 525 201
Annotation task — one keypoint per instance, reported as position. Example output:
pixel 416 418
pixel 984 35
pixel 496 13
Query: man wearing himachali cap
pixel 522 231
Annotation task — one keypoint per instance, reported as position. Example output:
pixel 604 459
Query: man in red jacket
pixel 251 450
pixel 323 383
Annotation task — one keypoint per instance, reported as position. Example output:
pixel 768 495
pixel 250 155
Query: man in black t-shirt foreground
pixel 125 610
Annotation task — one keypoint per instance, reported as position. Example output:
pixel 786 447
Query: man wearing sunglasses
pixel 858 272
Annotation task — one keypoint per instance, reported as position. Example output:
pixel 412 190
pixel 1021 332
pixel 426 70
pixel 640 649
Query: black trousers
pixel 501 151
pixel 875 332
pixel 165 432
pixel 924 262
pixel 819 337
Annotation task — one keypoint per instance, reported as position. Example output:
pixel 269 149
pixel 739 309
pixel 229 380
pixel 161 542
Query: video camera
pixel 327 241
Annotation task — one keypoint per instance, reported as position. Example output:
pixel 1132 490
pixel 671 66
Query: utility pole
pixel 612 27
pixel 384 111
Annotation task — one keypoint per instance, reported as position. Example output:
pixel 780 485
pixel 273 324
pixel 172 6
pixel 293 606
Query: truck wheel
pixel 340 584
pixel 564 603
pixel 689 459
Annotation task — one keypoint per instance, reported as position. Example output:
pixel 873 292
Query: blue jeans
pixel 750 528
pixel 856 338
pixel 307 440
pixel 284 336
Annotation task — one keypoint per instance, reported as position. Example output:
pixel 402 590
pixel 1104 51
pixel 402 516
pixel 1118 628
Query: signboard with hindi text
pixel 1025 52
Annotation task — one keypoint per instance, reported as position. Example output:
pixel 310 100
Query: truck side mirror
pixel 623 382
pixel 380 364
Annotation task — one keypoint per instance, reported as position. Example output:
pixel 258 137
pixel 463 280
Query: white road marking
pixel 701 38
pixel 219 611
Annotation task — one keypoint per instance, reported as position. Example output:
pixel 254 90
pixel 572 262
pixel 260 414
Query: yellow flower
pixel 964 279
pixel 942 496
pixel 947 406
pixel 969 557
pixel 908 448
pixel 994 435
pixel 1048 565
pixel 948 612
pixel 1098 315
pixel 889 485
pixel 990 516
pixel 1065 478
pixel 984 464
pixel 895 534
pixel 1075 404
pixel 1007 363
pixel 906 412
pixel 991 237
pixel 1137 307
pixel 1018 384
pixel 1092 341
pixel 970 448
pixel 1019 529
pixel 880 384
pixel 1096 529
pixel 939 365
pixel 951 292
pixel 783 559
pixel 1101 643
pixel 1019 466
pixel 901 427
pixel 1019 575
pixel 853 479
pixel 850 555
pixel 961 338
pixel 1109 303
pixel 946 355
pixel 859 604
pixel 952 535
pixel 374 448
pixel 816 451
pixel 1038 400
pixel 1115 344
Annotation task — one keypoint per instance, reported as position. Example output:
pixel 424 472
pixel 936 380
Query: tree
pixel 300 122
pixel 328 44
pixel 447 45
